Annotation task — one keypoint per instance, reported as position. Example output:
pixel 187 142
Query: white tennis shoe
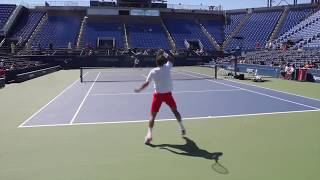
pixel 148 139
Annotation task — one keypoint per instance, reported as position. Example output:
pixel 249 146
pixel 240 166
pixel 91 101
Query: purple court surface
pixel 115 102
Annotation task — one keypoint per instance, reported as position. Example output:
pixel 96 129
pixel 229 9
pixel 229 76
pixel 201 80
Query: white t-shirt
pixel 161 76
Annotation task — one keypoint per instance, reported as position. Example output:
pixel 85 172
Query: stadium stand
pixel 59 31
pixel 304 31
pixel 234 22
pixel 147 36
pixel 94 30
pixel 5 13
pixel 257 30
pixel 250 29
pixel 272 57
pixel 314 44
pixel 186 29
pixel 294 17
pixel 26 25
pixel 215 28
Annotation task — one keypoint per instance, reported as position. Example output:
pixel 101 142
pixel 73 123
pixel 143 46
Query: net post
pixel 215 71
pixel 81 78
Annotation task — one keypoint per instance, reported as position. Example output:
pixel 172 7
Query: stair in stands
pixel 35 32
pixel 170 39
pixel 279 24
pixel 80 36
pixel 237 30
pixel 126 38
pixel 209 36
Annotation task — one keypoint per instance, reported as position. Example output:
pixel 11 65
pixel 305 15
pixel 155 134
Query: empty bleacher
pixel 313 44
pixel 235 20
pixel 59 31
pixel 257 30
pixel 94 30
pixel 215 28
pixel 147 36
pixel 303 31
pixel 294 17
pixel 186 29
pixel 5 13
pixel 26 25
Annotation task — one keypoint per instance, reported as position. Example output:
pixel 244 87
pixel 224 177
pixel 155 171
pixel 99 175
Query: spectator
pixel 286 71
pixel 39 47
pixel 289 70
pixel 2 64
pixel 50 46
pixel 13 48
pixel 69 47
pixel 258 45
pixel 2 69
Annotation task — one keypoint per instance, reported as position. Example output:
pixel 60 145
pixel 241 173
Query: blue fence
pixel 312 74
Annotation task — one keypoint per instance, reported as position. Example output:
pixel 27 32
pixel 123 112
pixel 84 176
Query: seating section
pixel 215 28
pixel 26 24
pixel 314 43
pixel 12 63
pixel 150 36
pixel 258 29
pixel 58 30
pixel 186 29
pixel 5 12
pixel 278 57
pixel 235 20
pixel 94 30
pixel 299 31
pixel 294 17
pixel 308 34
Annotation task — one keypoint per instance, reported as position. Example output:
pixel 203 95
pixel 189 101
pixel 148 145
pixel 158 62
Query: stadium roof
pixel 226 4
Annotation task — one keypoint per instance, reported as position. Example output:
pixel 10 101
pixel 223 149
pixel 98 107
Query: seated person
pixel 289 72
pixel 2 69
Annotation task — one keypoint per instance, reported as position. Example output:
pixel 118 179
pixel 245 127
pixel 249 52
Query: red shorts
pixel 158 98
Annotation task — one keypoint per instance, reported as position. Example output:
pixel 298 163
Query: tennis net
pixel 104 74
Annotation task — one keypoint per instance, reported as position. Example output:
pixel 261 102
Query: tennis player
pixel 161 76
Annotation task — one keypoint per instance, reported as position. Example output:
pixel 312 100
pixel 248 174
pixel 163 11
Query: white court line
pixel 274 97
pixel 174 92
pixel 67 88
pixel 84 99
pixel 260 87
pixel 162 120
pixel 274 90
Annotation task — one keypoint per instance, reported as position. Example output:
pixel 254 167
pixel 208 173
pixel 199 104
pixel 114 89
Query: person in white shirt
pixel 1 64
pixel 161 76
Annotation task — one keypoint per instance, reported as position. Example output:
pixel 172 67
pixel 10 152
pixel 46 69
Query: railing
pixel 69 3
pixel 86 3
pixel 194 7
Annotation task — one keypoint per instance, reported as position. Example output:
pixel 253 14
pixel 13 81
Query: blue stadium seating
pixel 304 32
pixel 215 28
pixel 185 29
pixel 5 12
pixel 234 22
pixel 26 25
pixel 58 30
pixel 147 36
pixel 294 17
pixel 94 30
pixel 258 29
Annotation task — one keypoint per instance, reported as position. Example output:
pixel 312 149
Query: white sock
pixel 149 132
pixel 181 125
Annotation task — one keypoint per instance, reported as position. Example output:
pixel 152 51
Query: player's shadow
pixel 190 148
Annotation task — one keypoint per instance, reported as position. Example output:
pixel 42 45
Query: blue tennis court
pixel 97 102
